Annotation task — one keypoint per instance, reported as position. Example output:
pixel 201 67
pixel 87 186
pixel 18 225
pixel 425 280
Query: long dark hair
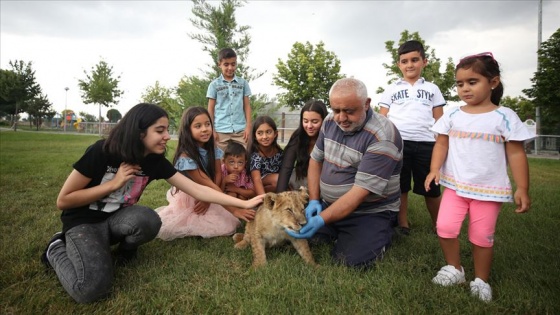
pixel 188 145
pixel 301 140
pixel 125 139
pixel 254 147
pixel 485 65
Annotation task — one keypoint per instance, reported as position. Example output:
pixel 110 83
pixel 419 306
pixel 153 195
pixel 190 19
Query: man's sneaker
pixel 481 289
pixel 449 275
pixel 57 238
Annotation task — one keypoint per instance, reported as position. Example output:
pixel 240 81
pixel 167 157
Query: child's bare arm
pixel 257 182
pixel 211 111
pixel 383 111
pixel 437 112
pixel 519 167
pixel 246 193
pixel 439 154
pixel 247 111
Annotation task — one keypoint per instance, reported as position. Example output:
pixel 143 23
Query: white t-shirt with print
pixel 476 164
pixel 411 108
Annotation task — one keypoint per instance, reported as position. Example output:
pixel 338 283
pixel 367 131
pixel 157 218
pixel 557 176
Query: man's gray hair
pixel 351 84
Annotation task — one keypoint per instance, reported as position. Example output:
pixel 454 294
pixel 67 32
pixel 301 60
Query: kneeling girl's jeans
pixel 83 263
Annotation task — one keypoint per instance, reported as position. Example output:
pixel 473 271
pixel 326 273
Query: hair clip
pixel 484 54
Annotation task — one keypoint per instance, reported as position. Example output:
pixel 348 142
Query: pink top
pixel 243 181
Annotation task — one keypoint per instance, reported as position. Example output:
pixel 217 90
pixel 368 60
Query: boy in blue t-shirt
pixel 413 105
pixel 228 102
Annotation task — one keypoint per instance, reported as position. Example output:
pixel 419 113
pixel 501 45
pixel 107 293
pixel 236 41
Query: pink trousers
pixel 482 218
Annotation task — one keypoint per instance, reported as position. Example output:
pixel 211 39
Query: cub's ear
pixel 269 200
pixel 303 193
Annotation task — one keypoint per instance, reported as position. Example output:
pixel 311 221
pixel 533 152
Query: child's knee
pixel 446 230
pixel 482 238
pixel 94 291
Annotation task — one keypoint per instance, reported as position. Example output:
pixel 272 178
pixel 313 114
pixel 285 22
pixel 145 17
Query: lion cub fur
pixel 285 210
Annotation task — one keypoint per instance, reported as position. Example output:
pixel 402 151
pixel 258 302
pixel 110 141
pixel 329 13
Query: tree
pixel 113 115
pixel 17 86
pixel 220 30
pixel 444 80
pixel 524 108
pixel 8 82
pixel 99 87
pixel 39 108
pixel 191 91
pixel 165 98
pixel 308 73
pixel 88 117
pixel 544 91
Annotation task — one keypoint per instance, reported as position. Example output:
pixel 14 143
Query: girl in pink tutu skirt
pixel 198 158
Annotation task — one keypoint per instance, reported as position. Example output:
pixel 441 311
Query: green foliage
pixel 220 30
pixel 38 108
pixel 208 276
pixel 9 81
pixel 432 72
pixel 113 115
pixel 17 87
pixel 308 73
pixel 88 117
pixel 544 91
pixel 524 108
pixel 99 86
pixel 191 91
pixel 165 98
pixel 261 104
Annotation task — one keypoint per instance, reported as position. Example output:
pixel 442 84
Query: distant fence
pixel 287 123
pixel 543 144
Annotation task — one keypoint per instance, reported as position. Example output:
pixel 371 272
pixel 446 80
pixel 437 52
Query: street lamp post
pixel 65 105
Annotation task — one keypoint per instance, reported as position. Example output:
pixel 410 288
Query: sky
pixel 148 41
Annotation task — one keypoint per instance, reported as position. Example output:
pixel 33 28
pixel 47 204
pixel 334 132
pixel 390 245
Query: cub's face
pixel 287 208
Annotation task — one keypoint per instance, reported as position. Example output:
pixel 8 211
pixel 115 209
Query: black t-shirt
pixel 101 167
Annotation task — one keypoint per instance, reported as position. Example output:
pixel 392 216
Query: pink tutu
pixel 179 220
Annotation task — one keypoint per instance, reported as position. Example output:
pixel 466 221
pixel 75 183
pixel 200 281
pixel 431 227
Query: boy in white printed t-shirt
pixel 413 105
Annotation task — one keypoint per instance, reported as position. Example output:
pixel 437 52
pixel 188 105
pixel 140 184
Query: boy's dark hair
pixel 410 46
pixel 125 139
pixel 225 54
pixel 235 148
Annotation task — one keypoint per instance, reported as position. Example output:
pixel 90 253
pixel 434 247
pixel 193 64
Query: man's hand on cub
pixel 313 209
pixel 308 230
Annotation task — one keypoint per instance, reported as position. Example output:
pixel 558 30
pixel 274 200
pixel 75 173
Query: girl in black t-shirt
pixel 99 199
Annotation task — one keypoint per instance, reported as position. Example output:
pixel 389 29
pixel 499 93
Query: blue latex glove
pixel 313 208
pixel 308 230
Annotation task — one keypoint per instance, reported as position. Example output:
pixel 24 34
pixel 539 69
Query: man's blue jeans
pixel 83 263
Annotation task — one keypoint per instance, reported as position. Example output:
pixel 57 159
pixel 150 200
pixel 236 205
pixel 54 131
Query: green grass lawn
pixel 195 275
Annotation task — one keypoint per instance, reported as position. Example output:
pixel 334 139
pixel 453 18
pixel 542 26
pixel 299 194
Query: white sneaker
pixel 449 275
pixel 481 289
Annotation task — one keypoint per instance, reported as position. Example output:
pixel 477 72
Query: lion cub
pixel 277 212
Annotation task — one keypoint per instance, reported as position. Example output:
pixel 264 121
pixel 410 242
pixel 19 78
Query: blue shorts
pixel 416 166
pixel 361 239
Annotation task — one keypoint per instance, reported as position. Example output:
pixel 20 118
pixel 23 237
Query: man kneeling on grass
pixel 354 174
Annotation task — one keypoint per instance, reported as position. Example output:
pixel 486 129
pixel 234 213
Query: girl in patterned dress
pixel 198 158
pixel 266 155
pixel 475 143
